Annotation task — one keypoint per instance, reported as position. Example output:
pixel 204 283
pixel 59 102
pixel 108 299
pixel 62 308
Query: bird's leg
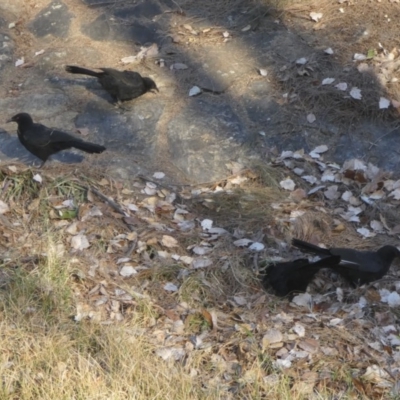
pixel 118 104
pixel 42 164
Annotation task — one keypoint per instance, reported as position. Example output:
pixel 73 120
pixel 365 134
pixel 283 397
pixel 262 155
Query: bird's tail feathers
pixel 326 262
pixel 79 70
pixel 88 147
pixel 310 247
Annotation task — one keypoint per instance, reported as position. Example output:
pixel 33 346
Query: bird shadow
pixel 90 84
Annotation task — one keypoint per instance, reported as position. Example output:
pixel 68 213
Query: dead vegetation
pixel 348 28
pixel 138 290
pixel 121 290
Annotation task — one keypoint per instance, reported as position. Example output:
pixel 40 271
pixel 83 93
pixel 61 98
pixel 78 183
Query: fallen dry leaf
pixel 169 241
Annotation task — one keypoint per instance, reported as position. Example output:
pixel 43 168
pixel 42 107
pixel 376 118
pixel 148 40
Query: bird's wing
pixel 41 135
pixel 126 78
pixel 132 79
pixel 367 261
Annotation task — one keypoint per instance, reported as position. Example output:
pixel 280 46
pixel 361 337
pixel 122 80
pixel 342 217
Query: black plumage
pixel 295 276
pixel 42 141
pixel 121 85
pixel 358 267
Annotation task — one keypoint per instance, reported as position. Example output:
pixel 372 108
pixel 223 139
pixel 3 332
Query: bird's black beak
pixel 9 120
pixel 155 90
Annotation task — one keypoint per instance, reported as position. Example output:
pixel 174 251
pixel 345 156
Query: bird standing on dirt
pixel 121 85
pixel 295 276
pixel 358 267
pixel 42 141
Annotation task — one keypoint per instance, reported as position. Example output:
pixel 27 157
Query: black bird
pixel 121 85
pixel 295 276
pixel 42 141
pixel 358 267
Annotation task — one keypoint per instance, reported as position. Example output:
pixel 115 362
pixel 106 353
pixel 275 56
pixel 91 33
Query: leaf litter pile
pixel 349 63
pixel 187 258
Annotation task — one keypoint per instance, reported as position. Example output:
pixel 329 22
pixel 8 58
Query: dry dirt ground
pixel 139 288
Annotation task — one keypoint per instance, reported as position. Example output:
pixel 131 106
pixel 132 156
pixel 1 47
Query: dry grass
pixel 48 354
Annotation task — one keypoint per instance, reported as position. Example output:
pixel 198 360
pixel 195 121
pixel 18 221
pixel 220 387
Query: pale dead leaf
pixel 309 345
pixel 238 180
pixel 242 242
pixel 287 184
pixel 206 224
pixel 4 207
pixel 171 353
pixel 92 212
pixel 395 194
pixel 20 62
pixel 298 171
pixel 377 226
pixel 320 149
pixel 332 193
pixel 302 300
pixel 178 66
pixel 286 154
pixel 298 154
pixel 256 246
pixel 316 16
pixel 158 175
pixel 169 241
pixel 341 86
pixel 355 93
pixel 79 242
pixel 201 262
pixel 311 118
pixel 127 271
pixel 186 259
pixel 384 103
pixel 201 251
pixel 376 375
pixel 359 57
pixel 393 299
pixel 271 336
pixel 377 195
pixel 310 179
pixel 37 178
pixel 347 195
pixel 327 81
pixel 316 189
pixel 299 329
pixel 366 232
pixel 301 61
pixel 194 91
pixel 170 287
pixel 240 300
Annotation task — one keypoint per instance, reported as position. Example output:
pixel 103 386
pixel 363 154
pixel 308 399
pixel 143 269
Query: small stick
pixel 110 202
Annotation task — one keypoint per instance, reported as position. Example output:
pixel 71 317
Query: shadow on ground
pixel 240 114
